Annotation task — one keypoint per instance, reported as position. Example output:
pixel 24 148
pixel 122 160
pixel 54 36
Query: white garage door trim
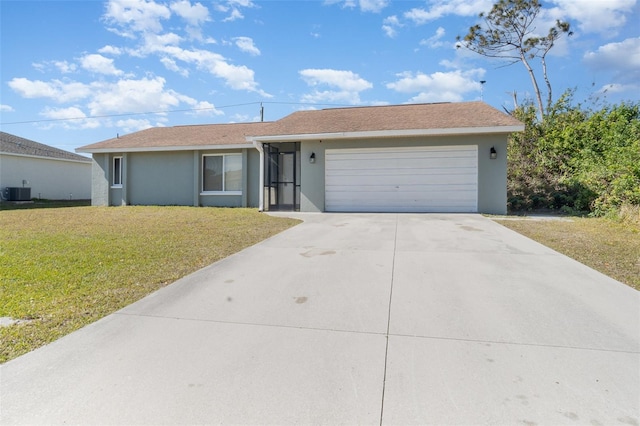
pixel 402 179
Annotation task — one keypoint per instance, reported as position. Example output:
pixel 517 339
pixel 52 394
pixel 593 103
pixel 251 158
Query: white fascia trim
pixel 389 133
pixel 168 148
pixel 47 158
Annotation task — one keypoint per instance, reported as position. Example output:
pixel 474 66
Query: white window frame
pixel 224 184
pixel 116 183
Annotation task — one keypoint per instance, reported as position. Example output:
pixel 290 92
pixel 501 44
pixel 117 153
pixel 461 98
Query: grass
pixel 609 246
pixel 63 268
pixel 42 204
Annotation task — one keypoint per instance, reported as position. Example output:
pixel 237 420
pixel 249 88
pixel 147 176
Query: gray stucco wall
pixel 159 178
pixel 48 178
pixel 100 180
pixel 169 178
pixel 492 179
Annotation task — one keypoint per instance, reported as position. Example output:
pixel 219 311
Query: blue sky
pixel 78 72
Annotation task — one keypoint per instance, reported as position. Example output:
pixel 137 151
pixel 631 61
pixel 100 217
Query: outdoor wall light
pixel 312 158
pixel 493 154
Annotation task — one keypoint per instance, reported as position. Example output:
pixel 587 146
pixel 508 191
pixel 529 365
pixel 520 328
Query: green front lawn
pixel 63 268
pixel 609 246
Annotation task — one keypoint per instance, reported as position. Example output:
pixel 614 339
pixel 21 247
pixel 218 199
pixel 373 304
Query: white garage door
pixel 424 179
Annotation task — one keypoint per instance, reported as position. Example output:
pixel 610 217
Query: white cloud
pixel 39 66
pixel 622 56
pixel 346 80
pixel 110 50
pixel 171 65
pixel 615 88
pixel 245 44
pixel 234 16
pixel 134 125
pixel 439 86
pixel 390 26
pixel 603 16
pixel 71 113
pixel 142 19
pixel 56 90
pixel 68 118
pixel 128 95
pixel 241 3
pixel 204 108
pixel 136 16
pixel 374 6
pixel 195 15
pixel 154 43
pixel 99 64
pixel 62 66
pixel 232 8
pixel 65 67
pixel 238 77
pixel 434 41
pixel 6 108
pixel 103 98
pixel 622 59
pixel 348 85
pixel 344 3
pixel 441 8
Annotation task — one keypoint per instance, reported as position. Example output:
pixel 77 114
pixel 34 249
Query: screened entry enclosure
pixel 282 176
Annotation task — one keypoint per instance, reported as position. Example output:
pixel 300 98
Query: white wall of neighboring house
pixel 48 178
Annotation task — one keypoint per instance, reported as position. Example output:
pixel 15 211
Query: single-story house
pixel 444 157
pixel 30 169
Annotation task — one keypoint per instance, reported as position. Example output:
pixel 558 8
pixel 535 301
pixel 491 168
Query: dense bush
pixel 576 159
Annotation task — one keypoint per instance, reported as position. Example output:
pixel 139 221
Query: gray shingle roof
pixel 458 115
pixel 185 136
pixel 11 144
pixel 462 115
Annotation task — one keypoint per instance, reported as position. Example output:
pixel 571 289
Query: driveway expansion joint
pixel 252 324
pixel 498 342
pixel 386 350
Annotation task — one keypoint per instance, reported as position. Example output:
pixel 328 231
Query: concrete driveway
pixel 354 319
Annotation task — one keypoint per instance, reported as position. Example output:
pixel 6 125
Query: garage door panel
pixel 357 181
pixel 416 191
pixel 409 196
pixel 423 179
pixel 393 159
pixel 400 172
pixel 395 164
pixel 425 152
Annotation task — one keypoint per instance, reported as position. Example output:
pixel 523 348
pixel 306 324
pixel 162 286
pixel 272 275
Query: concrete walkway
pixel 354 319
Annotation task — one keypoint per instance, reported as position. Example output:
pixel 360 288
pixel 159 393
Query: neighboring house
pixel 445 157
pixel 46 172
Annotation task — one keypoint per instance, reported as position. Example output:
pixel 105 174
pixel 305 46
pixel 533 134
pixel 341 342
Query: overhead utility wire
pixel 92 117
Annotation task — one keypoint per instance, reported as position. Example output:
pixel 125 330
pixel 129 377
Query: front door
pixel 282 176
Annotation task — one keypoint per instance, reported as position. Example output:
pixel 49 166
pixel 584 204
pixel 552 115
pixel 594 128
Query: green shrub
pixel 576 159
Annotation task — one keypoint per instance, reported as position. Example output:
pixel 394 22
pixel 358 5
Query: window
pixel 222 173
pixel 117 171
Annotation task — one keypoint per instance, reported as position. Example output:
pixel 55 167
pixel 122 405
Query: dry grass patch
pixel 64 268
pixel 609 246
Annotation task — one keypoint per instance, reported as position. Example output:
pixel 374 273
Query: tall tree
pixel 509 33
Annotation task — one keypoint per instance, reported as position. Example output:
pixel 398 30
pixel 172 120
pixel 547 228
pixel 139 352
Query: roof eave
pixel 42 157
pixel 164 148
pixel 389 133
